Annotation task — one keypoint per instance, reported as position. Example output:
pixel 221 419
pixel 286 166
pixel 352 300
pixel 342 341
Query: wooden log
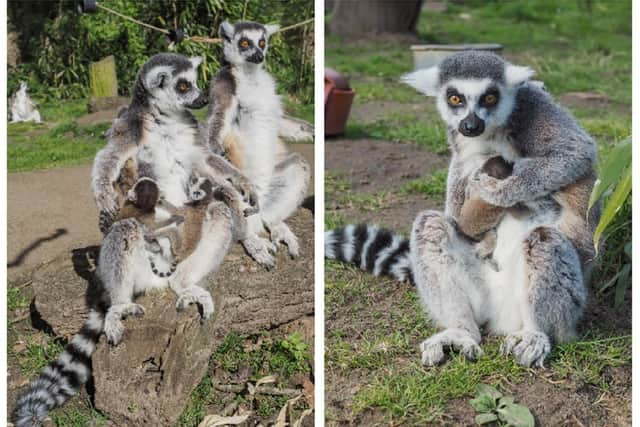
pixel 102 78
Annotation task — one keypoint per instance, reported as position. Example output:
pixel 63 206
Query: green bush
pixel 68 42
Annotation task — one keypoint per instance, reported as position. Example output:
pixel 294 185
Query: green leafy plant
pixel 494 407
pixel 614 186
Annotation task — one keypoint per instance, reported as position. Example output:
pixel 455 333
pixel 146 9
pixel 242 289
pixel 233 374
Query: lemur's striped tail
pixel 373 249
pixel 62 378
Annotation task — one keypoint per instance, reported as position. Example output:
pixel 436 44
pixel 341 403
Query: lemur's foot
pixel 281 233
pixel 113 327
pixel 530 348
pixel 432 349
pixel 260 250
pixel 196 295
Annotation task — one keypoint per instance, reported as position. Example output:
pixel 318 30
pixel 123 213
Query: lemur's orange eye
pixel 183 86
pixel 262 43
pixel 454 100
pixel 244 43
pixel 490 99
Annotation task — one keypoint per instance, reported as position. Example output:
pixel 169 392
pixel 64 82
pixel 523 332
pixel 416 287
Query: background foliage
pixel 57 43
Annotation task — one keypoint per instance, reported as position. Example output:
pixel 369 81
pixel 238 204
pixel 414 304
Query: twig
pixel 272 391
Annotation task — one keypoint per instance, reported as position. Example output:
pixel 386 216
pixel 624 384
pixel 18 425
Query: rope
pixel 128 18
pixel 196 39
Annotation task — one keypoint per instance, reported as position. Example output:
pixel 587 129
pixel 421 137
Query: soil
pixel 371 166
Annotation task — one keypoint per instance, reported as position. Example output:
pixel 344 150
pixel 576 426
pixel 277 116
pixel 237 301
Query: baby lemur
pixel 184 227
pixel 478 219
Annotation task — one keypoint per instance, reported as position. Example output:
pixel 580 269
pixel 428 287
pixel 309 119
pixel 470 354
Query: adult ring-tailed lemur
pixel 245 117
pixel 532 289
pixel 158 134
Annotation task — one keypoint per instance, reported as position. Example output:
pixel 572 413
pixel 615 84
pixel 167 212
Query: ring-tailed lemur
pixel 538 295
pixel 157 135
pixel 244 118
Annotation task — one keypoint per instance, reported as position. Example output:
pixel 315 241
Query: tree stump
pixel 103 82
pixel 374 17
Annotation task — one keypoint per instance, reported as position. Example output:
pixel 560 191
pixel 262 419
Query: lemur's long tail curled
pixel 62 378
pixel 373 249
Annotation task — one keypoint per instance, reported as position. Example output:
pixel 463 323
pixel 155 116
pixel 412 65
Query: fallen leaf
pixel 218 420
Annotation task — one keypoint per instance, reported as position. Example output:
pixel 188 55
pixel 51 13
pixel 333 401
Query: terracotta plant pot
pixel 338 97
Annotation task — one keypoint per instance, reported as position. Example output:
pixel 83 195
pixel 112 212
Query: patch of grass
pixel 377 59
pixel 284 357
pixel 343 196
pixel 586 361
pixel 37 354
pixel 435 185
pixel 296 108
pixel 200 397
pixel 571 48
pixel 15 299
pixel 56 111
pixel 415 394
pixel 333 221
pixel 382 90
pixel 65 144
pixel 75 417
pixel 403 128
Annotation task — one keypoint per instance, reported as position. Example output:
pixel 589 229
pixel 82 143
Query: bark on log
pixel 374 17
pixel 148 378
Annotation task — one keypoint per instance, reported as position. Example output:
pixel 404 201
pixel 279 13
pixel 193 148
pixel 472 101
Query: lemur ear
pixel 226 30
pixel 516 74
pixel 196 61
pixel 271 28
pixel 157 77
pixel 425 80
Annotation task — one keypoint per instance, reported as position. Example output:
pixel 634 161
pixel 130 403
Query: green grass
pixel 263 355
pixel 32 146
pixel 435 185
pixel 15 299
pixel 74 417
pixel 403 128
pixel 572 49
pixel 37 354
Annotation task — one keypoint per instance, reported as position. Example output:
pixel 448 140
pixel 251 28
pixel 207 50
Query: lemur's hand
pixel 497 192
pixel 109 208
pixel 246 189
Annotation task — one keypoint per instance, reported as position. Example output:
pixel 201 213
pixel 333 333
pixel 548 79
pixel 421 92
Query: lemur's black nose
pixel 471 125
pixel 257 57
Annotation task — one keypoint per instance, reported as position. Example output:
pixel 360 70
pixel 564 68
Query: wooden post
pixel 102 78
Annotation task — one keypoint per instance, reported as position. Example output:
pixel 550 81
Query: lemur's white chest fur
pixel 472 153
pixel 503 301
pixel 170 147
pixel 256 124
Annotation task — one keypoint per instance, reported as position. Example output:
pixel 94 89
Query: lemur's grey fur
pixel 157 135
pixel 244 120
pixel 538 295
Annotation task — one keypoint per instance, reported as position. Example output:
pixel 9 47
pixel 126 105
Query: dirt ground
pixel 371 166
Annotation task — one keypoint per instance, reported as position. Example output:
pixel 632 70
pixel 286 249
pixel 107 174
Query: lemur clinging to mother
pixel 245 115
pixel 157 135
pixel 538 295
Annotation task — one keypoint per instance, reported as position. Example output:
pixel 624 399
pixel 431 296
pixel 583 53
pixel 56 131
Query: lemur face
pixel 144 194
pixel 200 188
pixel 171 82
pixel 246 42
pixel 475 91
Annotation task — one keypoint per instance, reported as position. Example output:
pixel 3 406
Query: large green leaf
pixel 614 203
pixel 482 419
pixel 618 160
pixel 516 415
